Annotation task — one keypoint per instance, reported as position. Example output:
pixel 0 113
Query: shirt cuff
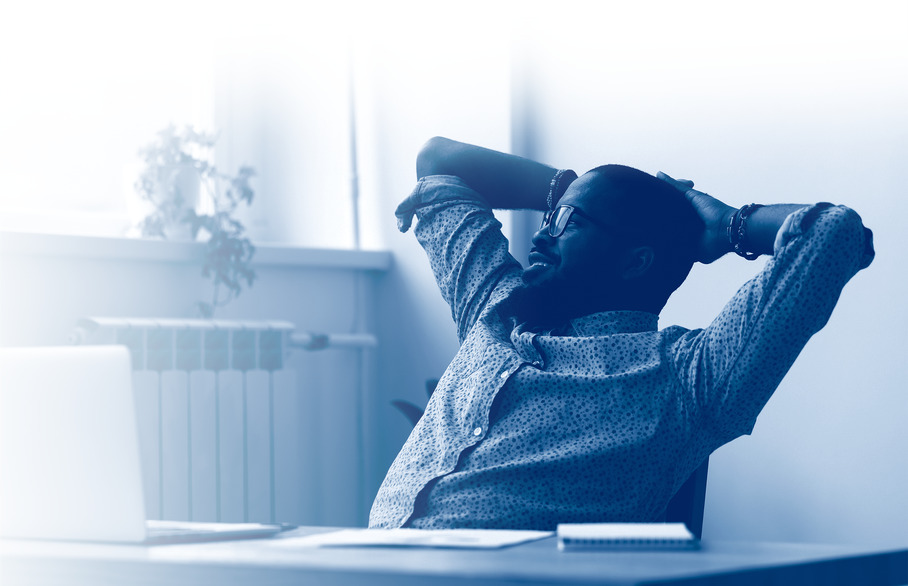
pixel 797 223
pixel 800 221
pixel 434 189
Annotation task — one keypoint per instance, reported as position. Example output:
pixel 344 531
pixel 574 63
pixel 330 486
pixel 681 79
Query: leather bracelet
pixel 560 182
pixel 737 229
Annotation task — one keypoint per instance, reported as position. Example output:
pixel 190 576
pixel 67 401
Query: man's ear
pixel 637 261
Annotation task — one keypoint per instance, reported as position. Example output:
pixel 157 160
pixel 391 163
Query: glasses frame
pixel 571 210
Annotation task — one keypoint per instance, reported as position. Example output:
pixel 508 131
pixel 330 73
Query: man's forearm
pixel 755 232
pixel 763 225
pixel 760 228
pixel 504 181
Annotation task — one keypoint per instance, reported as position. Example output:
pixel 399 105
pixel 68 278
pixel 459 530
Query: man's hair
pixel 657 214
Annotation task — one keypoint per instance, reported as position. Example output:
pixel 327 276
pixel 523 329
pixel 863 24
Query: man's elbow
pixel 434 156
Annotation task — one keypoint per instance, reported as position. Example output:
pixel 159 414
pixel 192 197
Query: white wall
pixel 797 105
pixel 414 82
pixel 283 105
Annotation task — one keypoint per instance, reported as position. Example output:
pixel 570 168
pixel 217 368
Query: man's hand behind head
pixel 715 215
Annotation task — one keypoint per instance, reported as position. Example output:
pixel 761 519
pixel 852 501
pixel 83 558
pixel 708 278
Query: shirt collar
pixel 615 322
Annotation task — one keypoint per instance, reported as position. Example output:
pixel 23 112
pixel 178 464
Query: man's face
pixel 580 269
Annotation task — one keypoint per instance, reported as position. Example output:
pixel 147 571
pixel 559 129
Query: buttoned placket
pixel 478 430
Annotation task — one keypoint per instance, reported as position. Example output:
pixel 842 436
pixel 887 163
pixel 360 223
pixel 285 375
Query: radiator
pixel 207 392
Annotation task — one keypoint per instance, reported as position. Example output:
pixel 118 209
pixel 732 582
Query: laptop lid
pixel 69 451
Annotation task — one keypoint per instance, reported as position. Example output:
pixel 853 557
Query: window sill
pixel 140 249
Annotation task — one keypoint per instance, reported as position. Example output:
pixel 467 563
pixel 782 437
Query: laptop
pixel 69 452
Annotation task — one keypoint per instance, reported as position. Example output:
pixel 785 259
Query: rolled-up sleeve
pixel 732 367
pixel 463 240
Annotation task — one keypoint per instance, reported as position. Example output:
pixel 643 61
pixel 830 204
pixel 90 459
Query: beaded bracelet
pixel 737 228
pixel 558 186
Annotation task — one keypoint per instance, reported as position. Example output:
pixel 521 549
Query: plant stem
pixel 214 297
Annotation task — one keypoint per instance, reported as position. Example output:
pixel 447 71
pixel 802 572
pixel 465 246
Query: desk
pixel 267 562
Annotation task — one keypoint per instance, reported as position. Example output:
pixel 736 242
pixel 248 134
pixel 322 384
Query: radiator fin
pixel 205 399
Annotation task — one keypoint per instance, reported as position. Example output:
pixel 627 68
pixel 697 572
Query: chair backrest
pixel 688 503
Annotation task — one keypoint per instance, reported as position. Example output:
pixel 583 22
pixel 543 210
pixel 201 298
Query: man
pixel 565 403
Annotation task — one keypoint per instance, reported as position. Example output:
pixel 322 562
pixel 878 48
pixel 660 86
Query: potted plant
pixel 178 166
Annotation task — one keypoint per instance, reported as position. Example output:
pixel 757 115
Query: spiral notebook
pixel 626 536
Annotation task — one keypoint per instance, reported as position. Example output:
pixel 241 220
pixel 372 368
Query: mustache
pixel 547 254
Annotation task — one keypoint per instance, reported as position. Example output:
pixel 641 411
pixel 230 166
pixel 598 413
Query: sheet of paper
pixel 456 538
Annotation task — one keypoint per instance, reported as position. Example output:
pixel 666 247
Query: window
pixel 88 84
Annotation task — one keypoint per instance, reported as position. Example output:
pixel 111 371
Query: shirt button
pixel 505 374
pixel 537 363
pixel 477 431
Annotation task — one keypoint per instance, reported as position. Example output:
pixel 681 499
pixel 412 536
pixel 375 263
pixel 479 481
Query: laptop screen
pixel 69 447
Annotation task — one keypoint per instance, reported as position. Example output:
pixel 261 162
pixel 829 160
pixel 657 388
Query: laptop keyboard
pixel 184 531
pixel 175 531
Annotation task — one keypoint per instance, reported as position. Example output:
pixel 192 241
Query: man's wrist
pixel 737 232
pixel 716 243
pixel 723 228
pixel 559 184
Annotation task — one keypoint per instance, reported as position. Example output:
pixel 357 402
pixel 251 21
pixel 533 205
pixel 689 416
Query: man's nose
pixel 542 236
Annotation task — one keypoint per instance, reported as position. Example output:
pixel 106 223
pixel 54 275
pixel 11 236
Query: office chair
pixel 688 503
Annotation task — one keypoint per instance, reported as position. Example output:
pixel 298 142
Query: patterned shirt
pixel 604 418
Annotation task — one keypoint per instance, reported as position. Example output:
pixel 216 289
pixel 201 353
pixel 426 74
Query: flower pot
pixel 177 194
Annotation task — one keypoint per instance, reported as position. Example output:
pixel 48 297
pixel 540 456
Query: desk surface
pixel 267 562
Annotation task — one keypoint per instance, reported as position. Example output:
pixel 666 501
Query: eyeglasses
pixel 557 220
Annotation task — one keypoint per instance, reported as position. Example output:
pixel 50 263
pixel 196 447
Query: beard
pixel 538 306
